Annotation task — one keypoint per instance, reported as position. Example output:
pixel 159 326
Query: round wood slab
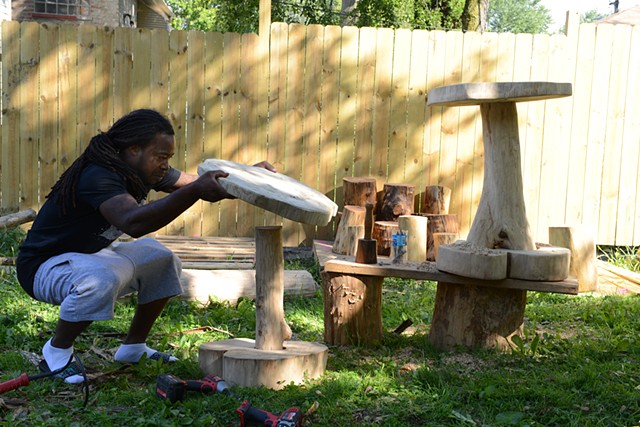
pixel 273 191
pixel 491 92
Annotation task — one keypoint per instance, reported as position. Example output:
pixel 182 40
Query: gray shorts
pixel 86 286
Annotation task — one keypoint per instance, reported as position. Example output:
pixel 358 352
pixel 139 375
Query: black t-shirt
pixel 82 229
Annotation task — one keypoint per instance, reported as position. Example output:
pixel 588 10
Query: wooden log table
pixel 475 314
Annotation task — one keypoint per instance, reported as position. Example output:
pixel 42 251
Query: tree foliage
pixel 425 14
pixel 518 16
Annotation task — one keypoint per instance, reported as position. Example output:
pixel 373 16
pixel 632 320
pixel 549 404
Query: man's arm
pixel 124 212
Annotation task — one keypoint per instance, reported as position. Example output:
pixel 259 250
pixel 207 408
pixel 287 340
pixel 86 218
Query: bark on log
pixel 579 240
pixel 351 215
pixel 383 232
pixel 439 224
pixel 352 309
pixel 397 199
pixel 416 228
pixel 443 239
pixel 271 328
pixel 17 218
pixel 358 191
pixel 435 199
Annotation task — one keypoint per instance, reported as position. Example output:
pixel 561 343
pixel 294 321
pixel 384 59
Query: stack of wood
pixel 442 227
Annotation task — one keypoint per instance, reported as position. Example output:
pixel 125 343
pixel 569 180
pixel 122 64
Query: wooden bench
pixel 353 292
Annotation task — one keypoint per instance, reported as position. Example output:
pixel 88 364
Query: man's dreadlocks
pixel 138 127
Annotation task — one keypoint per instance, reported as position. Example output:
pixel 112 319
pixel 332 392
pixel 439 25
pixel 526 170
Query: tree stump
pixel 358 191
pixel 442 239
pixel 397 199
pixel 416 228
pixel 439 224
pixel 383 232
pixel 476 315
pixel 435 199
pixel 351 215
pixel 352 309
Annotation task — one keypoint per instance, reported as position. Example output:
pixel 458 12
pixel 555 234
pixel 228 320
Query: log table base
pixel 240 363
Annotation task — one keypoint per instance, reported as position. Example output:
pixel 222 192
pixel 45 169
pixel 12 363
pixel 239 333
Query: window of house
pixel 62 7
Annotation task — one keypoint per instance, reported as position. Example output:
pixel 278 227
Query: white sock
pixel 57 358
pixel 132 353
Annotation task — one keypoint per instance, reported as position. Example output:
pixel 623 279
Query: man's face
pixel 152 162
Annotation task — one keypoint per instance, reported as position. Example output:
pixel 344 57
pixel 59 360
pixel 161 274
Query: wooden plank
pixel 416 114
pixel 104 78
pixel 11 115
pixel 631 206
pixel 87 76
pixel 48 128
pixel 531 167
pixel 580 118
pixel 612 187
pixel 230 125
pixel 363 150
pixel 28 96
pixel 555 146
pixel 450 119
pixel 248 123
pixel 259 150
pixel 67 97
pixel 347 107
pixel 178 78
pixel 522 72
pixel 382 104
pixel 329 136
pixel 141 82
pixel 123 68
pixel 597 127
pixel 435 78
pixel 399 102
pixel 428 271
pixel 194 123
pixel 213 63
pixel 467 133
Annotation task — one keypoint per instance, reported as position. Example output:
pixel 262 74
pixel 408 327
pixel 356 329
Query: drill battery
pixel 170 387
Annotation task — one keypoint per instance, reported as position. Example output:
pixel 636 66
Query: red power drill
pixel 172 388
pixel 292 417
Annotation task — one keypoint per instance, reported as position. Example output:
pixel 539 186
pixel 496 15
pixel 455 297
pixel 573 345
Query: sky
pixel 559 8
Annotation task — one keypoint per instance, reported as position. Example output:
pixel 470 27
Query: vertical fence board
pixel 87 83
pixel 435 78
pixel 416 114
pixel 597 124
pixel 230 130
pixel 28 96
pixel 382 104
pixel 347 107
pixel 363 150
pixel 123 72
pixel 194 123
pixel 580 123
pixel 141 68
pixel 68 84
pixel 11 108
pixel 611 184
pixel 471 50
pixel 399 100
pixel 213 75
pixel 104 78
pixel 48 130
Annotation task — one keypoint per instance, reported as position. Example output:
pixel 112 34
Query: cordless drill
pixel 173 388
pixel 289 418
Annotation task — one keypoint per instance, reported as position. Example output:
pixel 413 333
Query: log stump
pixel 397 199
pixel 383 232
pixel 358 191
pixel 352 309
pixel 416 229
pixel 351 215
pixel 441 223
pixel 580 241
pixel 443 239
pixel 436 199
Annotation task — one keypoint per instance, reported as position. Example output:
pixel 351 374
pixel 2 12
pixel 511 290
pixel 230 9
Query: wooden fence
pixel 322 103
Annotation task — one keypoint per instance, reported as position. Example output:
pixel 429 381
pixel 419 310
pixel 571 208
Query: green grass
pixel 578 365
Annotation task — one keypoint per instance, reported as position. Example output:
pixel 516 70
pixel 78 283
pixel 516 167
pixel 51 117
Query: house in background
pixel 111 13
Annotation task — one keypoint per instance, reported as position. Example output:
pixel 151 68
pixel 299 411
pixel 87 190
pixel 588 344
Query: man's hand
pixel 266 165
pixel 209 189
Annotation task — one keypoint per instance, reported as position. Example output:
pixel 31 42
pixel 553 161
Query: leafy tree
pixel 193 14
pixel 425 14
pixel 591 16
pixel 474 15
pixel 518 16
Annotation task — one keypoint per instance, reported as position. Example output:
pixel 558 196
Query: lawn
pixel 578 365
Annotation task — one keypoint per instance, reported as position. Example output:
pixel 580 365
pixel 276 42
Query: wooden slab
pixel 465 259
pixel 549 263
pixel 492 92
pixel 274 192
